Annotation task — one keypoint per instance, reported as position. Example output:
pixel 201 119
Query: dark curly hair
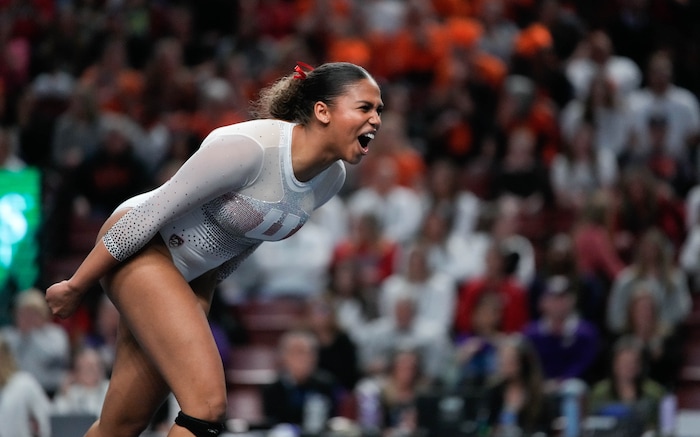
pixel 292 99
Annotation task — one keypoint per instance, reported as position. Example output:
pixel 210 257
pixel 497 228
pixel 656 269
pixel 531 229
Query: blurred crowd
pixel 526 226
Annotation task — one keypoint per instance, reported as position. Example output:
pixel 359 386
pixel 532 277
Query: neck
pixel 310 154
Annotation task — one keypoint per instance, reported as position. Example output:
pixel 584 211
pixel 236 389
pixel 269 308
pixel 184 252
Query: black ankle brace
pixel 199 427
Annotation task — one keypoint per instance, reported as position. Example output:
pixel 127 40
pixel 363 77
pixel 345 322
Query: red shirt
pixel 513 295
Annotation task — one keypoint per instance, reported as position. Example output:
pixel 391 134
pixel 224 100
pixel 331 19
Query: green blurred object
pixel 20 218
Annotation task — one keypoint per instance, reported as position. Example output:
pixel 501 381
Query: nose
pixel 375 120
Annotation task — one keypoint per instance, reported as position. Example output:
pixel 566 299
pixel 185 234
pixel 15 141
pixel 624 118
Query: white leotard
pixel 235 192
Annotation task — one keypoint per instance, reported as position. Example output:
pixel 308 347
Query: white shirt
pixel 44 353
pixel 576 177
pixel 435 298
pixel 456 256
pixel 682 112
pixel 673 299
pixel 78 398
pixel 623 72
pixel 400 211
pixel 378 339
pixel 298 265
pixel 22 400
pixel 613 126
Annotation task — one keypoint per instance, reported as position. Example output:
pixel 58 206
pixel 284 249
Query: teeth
pixel 370 136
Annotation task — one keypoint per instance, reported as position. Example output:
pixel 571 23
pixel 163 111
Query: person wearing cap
pixel 566 344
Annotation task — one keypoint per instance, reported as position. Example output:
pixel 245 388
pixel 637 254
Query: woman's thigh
pixel 168 322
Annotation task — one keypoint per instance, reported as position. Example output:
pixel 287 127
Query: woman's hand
pixel 63 299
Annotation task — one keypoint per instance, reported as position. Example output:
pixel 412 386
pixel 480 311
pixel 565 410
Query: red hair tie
pixel 300 73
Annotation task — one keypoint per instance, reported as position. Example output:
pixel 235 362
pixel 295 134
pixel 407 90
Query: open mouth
pixel 364 140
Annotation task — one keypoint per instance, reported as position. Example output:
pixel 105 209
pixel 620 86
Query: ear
pixel 322 112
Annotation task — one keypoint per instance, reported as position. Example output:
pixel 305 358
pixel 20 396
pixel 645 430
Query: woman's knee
pixel 210 406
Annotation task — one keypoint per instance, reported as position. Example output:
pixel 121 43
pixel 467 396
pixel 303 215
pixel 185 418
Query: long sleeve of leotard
pixel 226 161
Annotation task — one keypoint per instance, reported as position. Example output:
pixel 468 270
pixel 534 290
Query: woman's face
pixel 487 315
pixel 509 367
pixel 643 312
pixel 89 370
pixel 626 365
pixel 299 358
pixel 320 315
pixel 405 368
pixel 354 119
pixel 649 252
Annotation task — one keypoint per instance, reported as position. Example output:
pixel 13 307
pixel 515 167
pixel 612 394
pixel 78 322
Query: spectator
pixel 337 352
pixel 646 202
pixel 24 407
pixel 84 390
pixel 399 387
pixel 626 387
pixel 661 347
pixel 169 85
pixel 9 159
pixel 597 57
pixel 499 281
pixel 77 132
pixel 567 345
pixel 499 224
pixel 499 31
pixel 112 79
pixel 654 265
pixel 112 174
pixel 434 292
pixel 527 120
pixel 402 328
pixel 397 208
pixel 606 112
pixel 444 194
pixel 581 169
pixel 515 396
pixel 559 259
pixel 538 54
pixel 298 266
pixel 353 303
pixel 676 171
pixel 593 239
pixel 522 176
pixel 448 252
pixel 40 347
pixel 476 352
pixel 678 106
pixel 565 25
pixel 374 254
pixel 299 382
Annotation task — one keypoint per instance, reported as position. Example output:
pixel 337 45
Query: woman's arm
pixel 227 161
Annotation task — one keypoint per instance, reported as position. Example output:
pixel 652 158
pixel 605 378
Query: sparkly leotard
pixel 235 192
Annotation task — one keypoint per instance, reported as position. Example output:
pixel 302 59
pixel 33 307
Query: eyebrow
pixel 367 102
